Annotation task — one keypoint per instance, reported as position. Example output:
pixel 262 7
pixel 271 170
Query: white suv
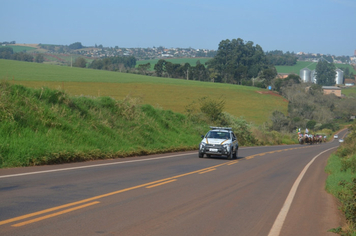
pixel 220 141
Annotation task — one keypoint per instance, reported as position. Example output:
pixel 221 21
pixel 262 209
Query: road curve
pixel 173 194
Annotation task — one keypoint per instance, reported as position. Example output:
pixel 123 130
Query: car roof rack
pixel 220 128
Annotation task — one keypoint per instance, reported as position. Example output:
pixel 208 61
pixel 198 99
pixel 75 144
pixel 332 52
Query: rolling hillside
pixel 254 104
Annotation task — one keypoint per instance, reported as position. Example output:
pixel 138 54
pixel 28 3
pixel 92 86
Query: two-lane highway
pixel 174 194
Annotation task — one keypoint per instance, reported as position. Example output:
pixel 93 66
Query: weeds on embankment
pixel 341 181
pixel 45 126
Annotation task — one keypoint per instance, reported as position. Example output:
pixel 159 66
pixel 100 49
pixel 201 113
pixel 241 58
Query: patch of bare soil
pixel 271 93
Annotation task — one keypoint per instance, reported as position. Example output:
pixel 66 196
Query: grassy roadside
pixel 45 126
pixel 341 181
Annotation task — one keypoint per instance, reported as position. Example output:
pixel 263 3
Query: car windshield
pixel 218 135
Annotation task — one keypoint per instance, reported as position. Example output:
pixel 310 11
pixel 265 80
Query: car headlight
pixel 227 147
pixel 202 145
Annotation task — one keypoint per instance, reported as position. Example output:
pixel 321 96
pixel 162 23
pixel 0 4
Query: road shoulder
pixel 314 211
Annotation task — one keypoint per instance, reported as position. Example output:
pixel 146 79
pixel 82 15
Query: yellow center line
pixel 54 214
pixel 233 162
pixel 100 196
pixel 203 172
pixel 149 185
pixel 155 185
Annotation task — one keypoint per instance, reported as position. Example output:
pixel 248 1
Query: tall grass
pixel 341 181
pixel 44 126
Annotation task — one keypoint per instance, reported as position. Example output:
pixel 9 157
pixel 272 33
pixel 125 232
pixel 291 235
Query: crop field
pixel 191 61
pixel 311 65
pixel 349 92
pixel 254 104
pixel 21 48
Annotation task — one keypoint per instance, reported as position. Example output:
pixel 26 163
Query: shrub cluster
pixel 210 111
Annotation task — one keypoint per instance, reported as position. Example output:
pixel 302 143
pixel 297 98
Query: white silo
pixel 305 75
pixel 339 77
pixel 313 77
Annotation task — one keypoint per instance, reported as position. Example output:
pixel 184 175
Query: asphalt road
pixel 275 190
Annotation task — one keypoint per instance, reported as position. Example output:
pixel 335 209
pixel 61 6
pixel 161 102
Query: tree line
pixel 8 53
pixel 278 58
pixel 116 63
pixel 308 107
pixel 236 62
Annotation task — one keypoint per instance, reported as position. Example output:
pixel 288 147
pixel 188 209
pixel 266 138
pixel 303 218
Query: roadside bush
pixel 240 127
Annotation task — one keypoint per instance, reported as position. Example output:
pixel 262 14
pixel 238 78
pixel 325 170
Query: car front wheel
pixel 235 155
pixel 230 156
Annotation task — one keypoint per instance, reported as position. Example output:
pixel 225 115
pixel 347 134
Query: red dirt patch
pixel 271 93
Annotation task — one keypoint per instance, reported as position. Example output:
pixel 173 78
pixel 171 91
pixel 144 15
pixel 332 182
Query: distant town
pixel 99 51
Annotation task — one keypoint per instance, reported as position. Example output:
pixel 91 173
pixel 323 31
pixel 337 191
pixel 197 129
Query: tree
pixel 6 52
pixel 268 75
pixel 291 79
pixel 80 62
pixel 237 60
pixel 75 46
pixel 39 58
pixel 311 124
pixel 325 73
pixel 212 108
pixel 279 121
pixel 143 68
pixel 186 69
pixel 160 67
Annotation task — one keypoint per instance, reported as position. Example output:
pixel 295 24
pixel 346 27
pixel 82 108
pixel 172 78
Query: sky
pixel 313 26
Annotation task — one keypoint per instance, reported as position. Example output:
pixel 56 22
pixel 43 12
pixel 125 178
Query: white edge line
pixel 84 167
pixel 106 164
pixel 278 223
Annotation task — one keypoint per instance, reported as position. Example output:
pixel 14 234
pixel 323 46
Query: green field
pixel 172 94
pixel 349 92
pixel 311 65
pixel 21 48
pixel 191 61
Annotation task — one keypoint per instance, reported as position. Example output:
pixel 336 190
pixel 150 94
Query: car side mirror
pixel 202 136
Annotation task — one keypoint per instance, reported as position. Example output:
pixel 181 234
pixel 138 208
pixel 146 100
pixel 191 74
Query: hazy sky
pixel 314 26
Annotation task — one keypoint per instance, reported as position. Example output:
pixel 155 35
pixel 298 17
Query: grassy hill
pixel 254 104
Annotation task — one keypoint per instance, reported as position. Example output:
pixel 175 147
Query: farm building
pixel 332 90
pixel 349 82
